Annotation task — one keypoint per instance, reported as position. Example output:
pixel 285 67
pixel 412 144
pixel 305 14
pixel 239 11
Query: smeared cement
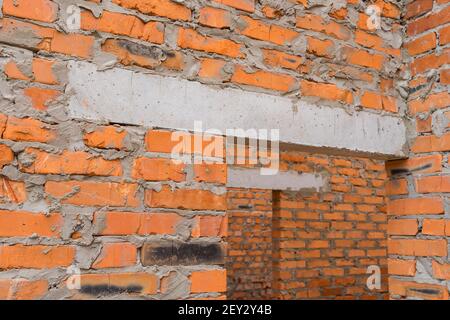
pixel 283 180
pixel 123 96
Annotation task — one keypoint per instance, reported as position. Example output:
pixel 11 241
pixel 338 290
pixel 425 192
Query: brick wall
pixel 106 197
pixel 249 261
pixel 419 224
pixel 310 244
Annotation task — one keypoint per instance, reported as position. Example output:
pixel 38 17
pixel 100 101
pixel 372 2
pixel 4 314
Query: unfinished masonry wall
pixel 312 243
pixel 86 175
pixel 419 226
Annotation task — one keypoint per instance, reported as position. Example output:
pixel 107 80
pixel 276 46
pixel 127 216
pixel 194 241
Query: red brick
pixel 6 155
pixel 431 143
pixel 213 173
pixel 208 281
pixel 413 289
pixel 405 227
pixel 259 30
pixel 264 79
pixel 424 164
pixel 210 226
pixel 441 271
pixel 88 193
pixel 27 129
pixel 122 24
pixel 418 247
pixel 12 191
pixel 418 7
pixel 43 71
pixel 245 5
pixel 415 206
pixel 280 59
pixel 429 22
pixel 191 39
pixel 25 224
pixel 70 162
pixel 422 44
pixel 185 199
pixel 129 223
pixel 22 289
pixel 212 69
pixel 434 227
pixel 40 98
pixel 402 267
pixel 326 91
pixel 107 137
pixel 317 23
pixel 433 184
pixel 145 283
pixel 40 10
pixel 36 256
pixel 116 255
pixel 158 169
pixel 216 18
pixel 163 8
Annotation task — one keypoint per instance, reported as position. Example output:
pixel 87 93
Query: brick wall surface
pixel 419 224
pixel 107 199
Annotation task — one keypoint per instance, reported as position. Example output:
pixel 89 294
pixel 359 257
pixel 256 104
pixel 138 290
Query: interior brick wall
pixel 419 224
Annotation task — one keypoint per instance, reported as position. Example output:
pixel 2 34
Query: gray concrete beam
pixel 124 96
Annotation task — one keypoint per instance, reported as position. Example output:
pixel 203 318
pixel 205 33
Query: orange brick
pixel 406 227
pixel 422 44
pixel 433 184
pixel 425 164
pixel 12 71
pixel 185 199
pixel 25 224
pixel 433 101
pixel 163 8
pixel 216 18
pixel 428 22
pixel 317 23
pixel 116 255
pixel 415 206
pixel 43 71
pixel 418 247
pixel 191 39
pixel 402 267
pixel 70 162
pixel 417 290
pixel 40 10
pixel 264 79
pixel 364 58
pixel 208 281
pixel 212 69
pixel 129 223
pixel 396 187
pixel 321 48
pixel 36 256
pixel 441 271
pixel 326 91
pixel 12 191
pixel 245 5
pixel 107 137
pixel 70 44
pixel 39 97
pixel 281 59
pixel 22 289
pixel 210 226
pixel 434 227
pixel 88 193
pixel 431 143
pixel 27 129
pixel 213 173
pixel 259 30
pixel 444 35
pixel 6 155
pixel 122 24
pixel 158 169
pixel 444 76
pixel 430 61
pixel 418 7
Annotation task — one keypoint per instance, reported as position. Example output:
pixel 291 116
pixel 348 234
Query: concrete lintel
pixel 124 96
pixel 283 180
